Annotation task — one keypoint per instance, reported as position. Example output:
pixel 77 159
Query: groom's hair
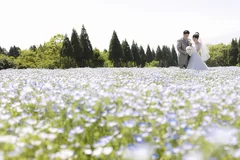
pixel 186 32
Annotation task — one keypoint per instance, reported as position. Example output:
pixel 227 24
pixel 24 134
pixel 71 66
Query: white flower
pixel 143 151
pixel 193 155
pixel 107 150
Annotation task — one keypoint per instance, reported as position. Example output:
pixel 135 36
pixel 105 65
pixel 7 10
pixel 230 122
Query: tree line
pixel 76 51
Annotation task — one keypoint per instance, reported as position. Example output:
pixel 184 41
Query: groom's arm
pixel 179 48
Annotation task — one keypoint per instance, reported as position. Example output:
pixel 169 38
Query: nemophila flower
pixel 138 138
pixel 17 151
pixel 180 104
pixel 8 139
pixel 62 154
pixel 222 135
pixel 107 150
pixel 97 152
pixel 47 136
pixel 129 123
pixel 155 156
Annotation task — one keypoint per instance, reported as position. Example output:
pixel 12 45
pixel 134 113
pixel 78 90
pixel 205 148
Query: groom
pixel 182 43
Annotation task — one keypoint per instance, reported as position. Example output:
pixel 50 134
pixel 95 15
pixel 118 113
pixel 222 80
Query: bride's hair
pixel 196 35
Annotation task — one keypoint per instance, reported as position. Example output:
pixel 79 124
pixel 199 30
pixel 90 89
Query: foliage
pixel 115 50
pixel 6 62
pixel 136 54
pixel 159 57
pixel 154 63
pixel 87 47
pixel 14 51
pixel 149 55
pixel 143 57
pixel 219 55
pixel 67 54
pixel 233 53
pixel 27 59
pixel 3 51
pixel 98 58
pixel 127 54
pixel 77 48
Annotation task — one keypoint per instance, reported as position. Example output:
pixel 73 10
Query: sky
pixel 154 22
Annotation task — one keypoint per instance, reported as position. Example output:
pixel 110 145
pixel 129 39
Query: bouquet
pixel 189 50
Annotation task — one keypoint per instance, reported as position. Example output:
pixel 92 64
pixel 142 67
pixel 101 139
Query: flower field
pixel 120 114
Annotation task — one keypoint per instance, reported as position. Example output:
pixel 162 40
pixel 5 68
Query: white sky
pixel 154 22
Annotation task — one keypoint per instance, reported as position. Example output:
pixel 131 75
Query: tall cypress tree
pixel 127 54
pixel 159 56
pixel 87 47
pixel 239 51
pixel 149 55
pixel 136 55
pixel 153 54
pixel 143 57
pixel 14 51
pixel 239 43
pixel 115 50
pixel 77 48
pixel 166 56
pixel 233 54
pixel 67 49
pixel 174 56
pixel 67 54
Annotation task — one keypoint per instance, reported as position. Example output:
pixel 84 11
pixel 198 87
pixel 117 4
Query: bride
pixel 199 54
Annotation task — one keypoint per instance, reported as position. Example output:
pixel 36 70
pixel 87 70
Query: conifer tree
pixel 115 50
pixel 77 48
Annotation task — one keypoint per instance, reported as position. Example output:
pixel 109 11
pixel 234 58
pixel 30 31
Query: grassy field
pixel 120 114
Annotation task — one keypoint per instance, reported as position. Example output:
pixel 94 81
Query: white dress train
pixel 195 62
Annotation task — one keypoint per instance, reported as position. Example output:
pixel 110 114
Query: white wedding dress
pixel 196 62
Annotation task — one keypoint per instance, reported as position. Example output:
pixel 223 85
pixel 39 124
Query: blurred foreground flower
pixel 143 151
pixel 222 135
pixel 193 155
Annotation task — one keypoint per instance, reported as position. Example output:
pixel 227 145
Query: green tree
pixel 149 55
pixel 98 59
pixel 77 48
pixel 127 54
pixel 159 56
pixel 48 54
pixel 6 62
pixel 67 54
pixel 153 54
pixel 233 54
pixel 67 49
pixel 136 55
pixel 174 56
pixel 219 55
pixel 166 56
pixel 27 59
pixel 143 57
pixel 115 50
pixel 3 51
pixel 87 47
pixel 14 51
pixel 239 51
pixel 33 48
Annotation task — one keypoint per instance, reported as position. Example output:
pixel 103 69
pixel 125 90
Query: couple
pixel 192 56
